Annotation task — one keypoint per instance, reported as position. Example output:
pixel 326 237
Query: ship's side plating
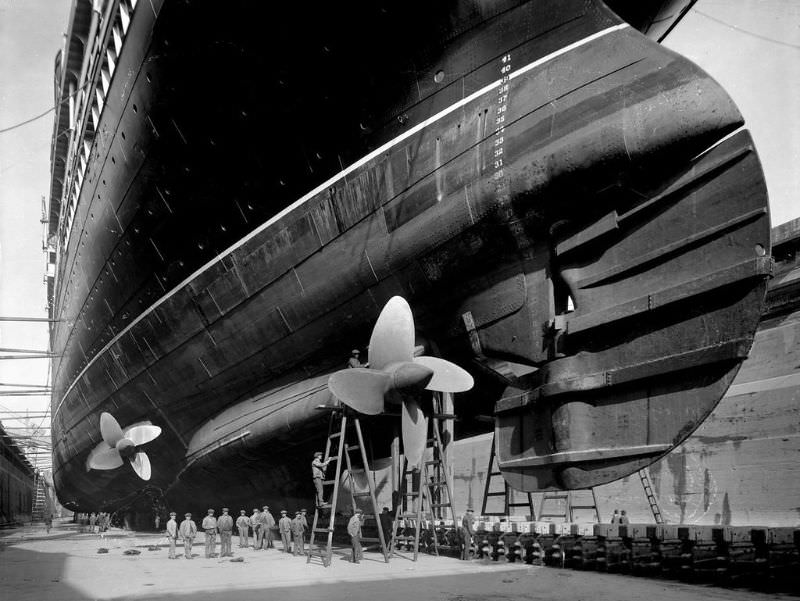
pixel 237 204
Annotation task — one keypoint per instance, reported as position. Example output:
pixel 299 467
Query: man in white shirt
pixel 172 533
pixel 210 528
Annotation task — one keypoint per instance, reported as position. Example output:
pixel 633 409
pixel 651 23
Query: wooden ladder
pixel 506 493
pixel 568 499
pixel 338 431
pixel 420 490
pixel 651 498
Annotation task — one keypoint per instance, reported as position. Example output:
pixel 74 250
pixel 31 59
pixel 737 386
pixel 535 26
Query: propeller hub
pixel 408 375
pixel 126 448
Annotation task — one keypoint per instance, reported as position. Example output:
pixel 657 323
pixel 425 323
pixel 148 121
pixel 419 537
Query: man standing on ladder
pixel 354 530
pixel 318 467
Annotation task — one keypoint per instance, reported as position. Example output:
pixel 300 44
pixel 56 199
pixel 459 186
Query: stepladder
pixel 651 497
pixel 344 437
pixel 569 506
pixel 505 494
pixel 425 504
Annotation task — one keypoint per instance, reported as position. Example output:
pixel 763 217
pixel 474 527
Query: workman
pixel 268 523
pixel 187 532
pixel 467 532
pixel 615 517
pixel 243 525
pixel 285 527
pixel 304 518
pixel 354 360
pixel 172 533
pixel 387 525
pixel 354 530
pixel 298 530
pixel 225 527
pixel 318 467
pixel 210 528
pixel 255 524
pixel 623 518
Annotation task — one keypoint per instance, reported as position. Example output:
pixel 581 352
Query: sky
pixel 752 47
pixel 31 34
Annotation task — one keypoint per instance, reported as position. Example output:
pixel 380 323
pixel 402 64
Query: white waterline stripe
pixel 363 160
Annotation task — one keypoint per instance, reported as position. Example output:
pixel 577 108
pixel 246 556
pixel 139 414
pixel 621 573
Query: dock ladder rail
pixel 651 498
pixel 39 497
pixel 341 419
pixel 415 485
pixel 506 493
pixel 567 499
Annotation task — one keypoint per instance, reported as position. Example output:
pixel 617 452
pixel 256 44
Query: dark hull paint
pixel 206 135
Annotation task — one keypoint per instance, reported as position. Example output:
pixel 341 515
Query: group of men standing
pixel 262 524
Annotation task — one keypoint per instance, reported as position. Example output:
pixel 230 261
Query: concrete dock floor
pixel 65 565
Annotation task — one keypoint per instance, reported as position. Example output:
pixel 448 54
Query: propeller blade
pixel 415 431
pixel 141 465
pixel 447 376
pixel 392 338
pixel 109 429
pixel 360 388
pixel 104 457
pixel 141 433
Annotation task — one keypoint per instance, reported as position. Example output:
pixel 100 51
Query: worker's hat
pixel 187 515
pixel 283 511
pixel 255 509
pixel 242 511
pixel 210 511
pixel 359 510
pixel 172 513
pixel 318 453
pixel 297 513
pixel 303 510
pixel 469 509
pixel 355 351
pixel 224 509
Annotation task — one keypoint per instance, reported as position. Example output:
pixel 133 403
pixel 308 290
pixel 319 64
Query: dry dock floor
pixel 65 566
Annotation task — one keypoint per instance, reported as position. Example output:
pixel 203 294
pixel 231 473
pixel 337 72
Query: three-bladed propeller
pixel 118 445
pixel 393 366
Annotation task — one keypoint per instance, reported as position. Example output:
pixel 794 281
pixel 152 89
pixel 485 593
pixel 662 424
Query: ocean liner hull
pixel 241 202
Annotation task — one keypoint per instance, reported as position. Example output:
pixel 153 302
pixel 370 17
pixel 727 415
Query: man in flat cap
pixel 187 532
pixel 172 533
pixel 467 533
pixel 285 527
pixel 354 530
pixel 318 467
pixel 268 523
pixel 304 516
pixel 210 528
pixel 243 526
pixel 298 548
pixel 225 527
pixel 354 360
pixel 255 524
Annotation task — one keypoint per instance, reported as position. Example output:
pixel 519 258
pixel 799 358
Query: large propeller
pixel 118 445
pixel 393 366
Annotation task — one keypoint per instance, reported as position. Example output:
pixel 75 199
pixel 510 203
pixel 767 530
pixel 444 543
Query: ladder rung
pixel 409 515
pixel 323 529
pixel 432 462
pixel 370 540
pixel 362 494
pixel 352 447
pixel 495 494
pixel 411 494
pixel 444 416
pixel 439 505
pixel 335 435
pixel 328 481
pixel 519 504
